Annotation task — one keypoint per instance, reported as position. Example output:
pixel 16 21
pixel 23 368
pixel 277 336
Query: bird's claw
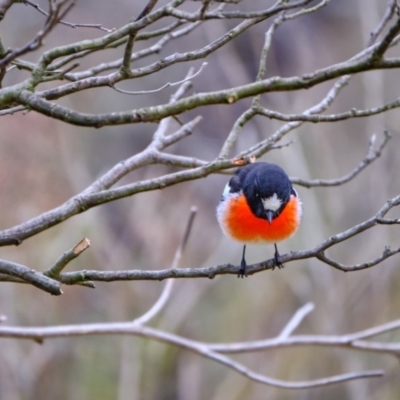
pixel 242 270
pixel 277 261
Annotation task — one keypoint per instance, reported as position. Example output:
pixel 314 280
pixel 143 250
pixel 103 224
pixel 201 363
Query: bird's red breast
pixel 238 221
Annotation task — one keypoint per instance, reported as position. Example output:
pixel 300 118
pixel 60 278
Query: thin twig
pixel 126 61
pixel 390 11
pixel 342 267
pixel 316 118
pixel 66 258
pixel 350 340
pixel 168 84
pixel 165 294
pixel 278 7
pixel 57 11
pixel 250 113
pixel 385 43
pixel 371 156
pixel 265 145
pixel 66 23
pixel 296 320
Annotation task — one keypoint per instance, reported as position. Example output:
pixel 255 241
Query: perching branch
pixel 210 272
pixel 82 277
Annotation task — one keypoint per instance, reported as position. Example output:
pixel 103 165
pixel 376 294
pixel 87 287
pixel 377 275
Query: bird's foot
pixel 242 270
pixel 277 260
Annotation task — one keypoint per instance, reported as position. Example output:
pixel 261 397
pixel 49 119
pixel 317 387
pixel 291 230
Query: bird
pixel 259 206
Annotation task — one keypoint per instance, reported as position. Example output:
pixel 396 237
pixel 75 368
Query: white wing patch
pixel 272 203
pixel 226 191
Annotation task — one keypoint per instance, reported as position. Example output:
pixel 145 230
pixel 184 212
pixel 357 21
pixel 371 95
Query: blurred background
pixel 44 162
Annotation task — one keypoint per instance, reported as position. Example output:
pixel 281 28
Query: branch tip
pixel 81 246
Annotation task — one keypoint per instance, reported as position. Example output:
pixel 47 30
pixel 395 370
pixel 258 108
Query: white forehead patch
pixel 272 203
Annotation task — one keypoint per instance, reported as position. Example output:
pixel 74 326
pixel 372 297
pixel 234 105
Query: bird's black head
pixel 267 189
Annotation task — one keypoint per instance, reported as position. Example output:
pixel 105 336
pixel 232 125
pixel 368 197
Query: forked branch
pixel 216 352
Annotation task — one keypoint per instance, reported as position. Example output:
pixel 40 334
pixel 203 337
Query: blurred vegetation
pixel 43 162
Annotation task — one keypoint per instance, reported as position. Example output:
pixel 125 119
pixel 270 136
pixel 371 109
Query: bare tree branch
pixel 169 35
pixel 101 191
pixel 66 258
pixel 155 113
pixel 371 156
pixel 351 340
pixel 278 7
pixel 296 320
pixel 168 84
pixel 126 62
pixel 4 6
pixel 205 350
pixel 390 12
pixel 72 68
pixel 386 41
pixel 265 145
pixel 57 11
pixel 26 274
pixel 63 22
pixel 71 278
pixel 353 113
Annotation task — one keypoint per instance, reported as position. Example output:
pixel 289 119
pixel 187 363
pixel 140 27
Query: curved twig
pixel 39 334
pixel 371 156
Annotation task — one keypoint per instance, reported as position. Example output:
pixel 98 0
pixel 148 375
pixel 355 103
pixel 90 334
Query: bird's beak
pixel 269 214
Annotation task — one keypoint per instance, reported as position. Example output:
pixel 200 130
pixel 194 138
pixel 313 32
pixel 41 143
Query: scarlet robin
pixel 259 206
